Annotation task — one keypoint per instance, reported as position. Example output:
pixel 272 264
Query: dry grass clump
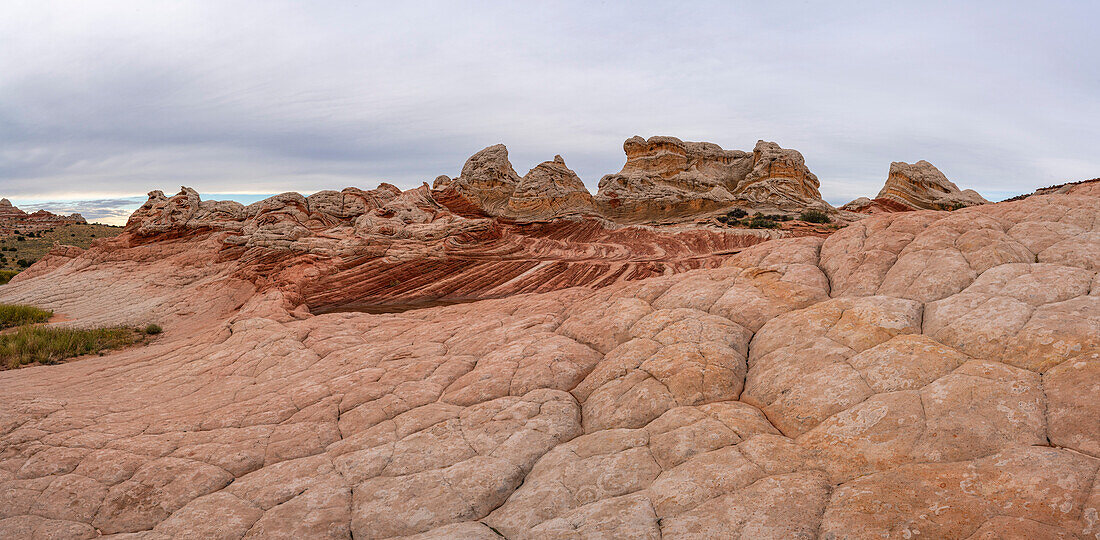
pixel 34 343
pixel 6 275
pixel 49 345
pixel 19 315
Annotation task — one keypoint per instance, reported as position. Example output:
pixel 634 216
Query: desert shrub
pixel 815 216
pixel 773 217
pixel 152 329
pixel 20 239
pixel 49 345
pixel 6 275
pixel 24 263
pixel 737 213
pixel 760 222
pixel 19 314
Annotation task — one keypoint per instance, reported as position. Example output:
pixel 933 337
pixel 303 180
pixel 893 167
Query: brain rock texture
pixel 921 374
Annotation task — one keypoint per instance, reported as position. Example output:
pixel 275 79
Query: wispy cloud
pixel 119 97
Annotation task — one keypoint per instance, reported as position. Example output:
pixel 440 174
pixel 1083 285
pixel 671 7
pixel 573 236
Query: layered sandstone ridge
pixel 922 186
pixel 663 178
pixel 1083 187
pixel 917 374
pixel 387 249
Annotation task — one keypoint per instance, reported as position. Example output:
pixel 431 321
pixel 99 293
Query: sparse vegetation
pixel 6 275
pixel 815 216
pixel 24 246
pixel 33 342
pixel 19 315
pixel 49 345
pixel 761 222
pixel 757 221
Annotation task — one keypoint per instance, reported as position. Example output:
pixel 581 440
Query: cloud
pixel 117 98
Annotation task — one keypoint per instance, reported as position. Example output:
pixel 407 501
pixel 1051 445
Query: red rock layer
pixel 511 258
pixel 419 247
pixel 876 206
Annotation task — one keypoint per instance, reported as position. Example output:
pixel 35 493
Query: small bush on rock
pixel 815 216
pixel 761 222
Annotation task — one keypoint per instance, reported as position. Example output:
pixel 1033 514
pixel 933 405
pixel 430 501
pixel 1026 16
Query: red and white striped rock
pixel 918 374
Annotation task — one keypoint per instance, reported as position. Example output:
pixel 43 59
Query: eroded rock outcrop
pixel 550 190
pixel 663 179
pixel 665 176
pixel 916 374
pixel 387 249
pixel 922 186
pixel 864 205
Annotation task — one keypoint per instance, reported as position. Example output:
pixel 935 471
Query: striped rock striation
pixel 385 249
pixel 919 374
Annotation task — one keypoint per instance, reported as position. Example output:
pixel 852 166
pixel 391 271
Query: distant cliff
pixel 13 219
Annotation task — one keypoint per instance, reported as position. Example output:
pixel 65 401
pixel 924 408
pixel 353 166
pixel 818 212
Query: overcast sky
pixel 105 100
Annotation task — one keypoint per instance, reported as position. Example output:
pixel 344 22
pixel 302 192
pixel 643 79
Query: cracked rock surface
pixel 915 375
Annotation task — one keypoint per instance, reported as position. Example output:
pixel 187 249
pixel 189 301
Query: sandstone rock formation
pixel 666 176
pixel 864 205
pixel 489 185
pixel 663 178
pixel 9 212
pixel 914 375
pixel 384 249
pixel 1083 187
pixel 550 190
pixel 922 186
pixel 13 219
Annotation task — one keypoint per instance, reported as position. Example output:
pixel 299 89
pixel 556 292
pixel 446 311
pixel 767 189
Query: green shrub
pixel 49 345
pixel 815 216
pixel 18 315
pixel 773 217
pixel 6 275
pixel 760 222
pixel 737 213
pixel 153 329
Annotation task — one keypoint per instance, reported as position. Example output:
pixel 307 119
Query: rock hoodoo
pixel 663 178
pixel 922 186
pixel 550 190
